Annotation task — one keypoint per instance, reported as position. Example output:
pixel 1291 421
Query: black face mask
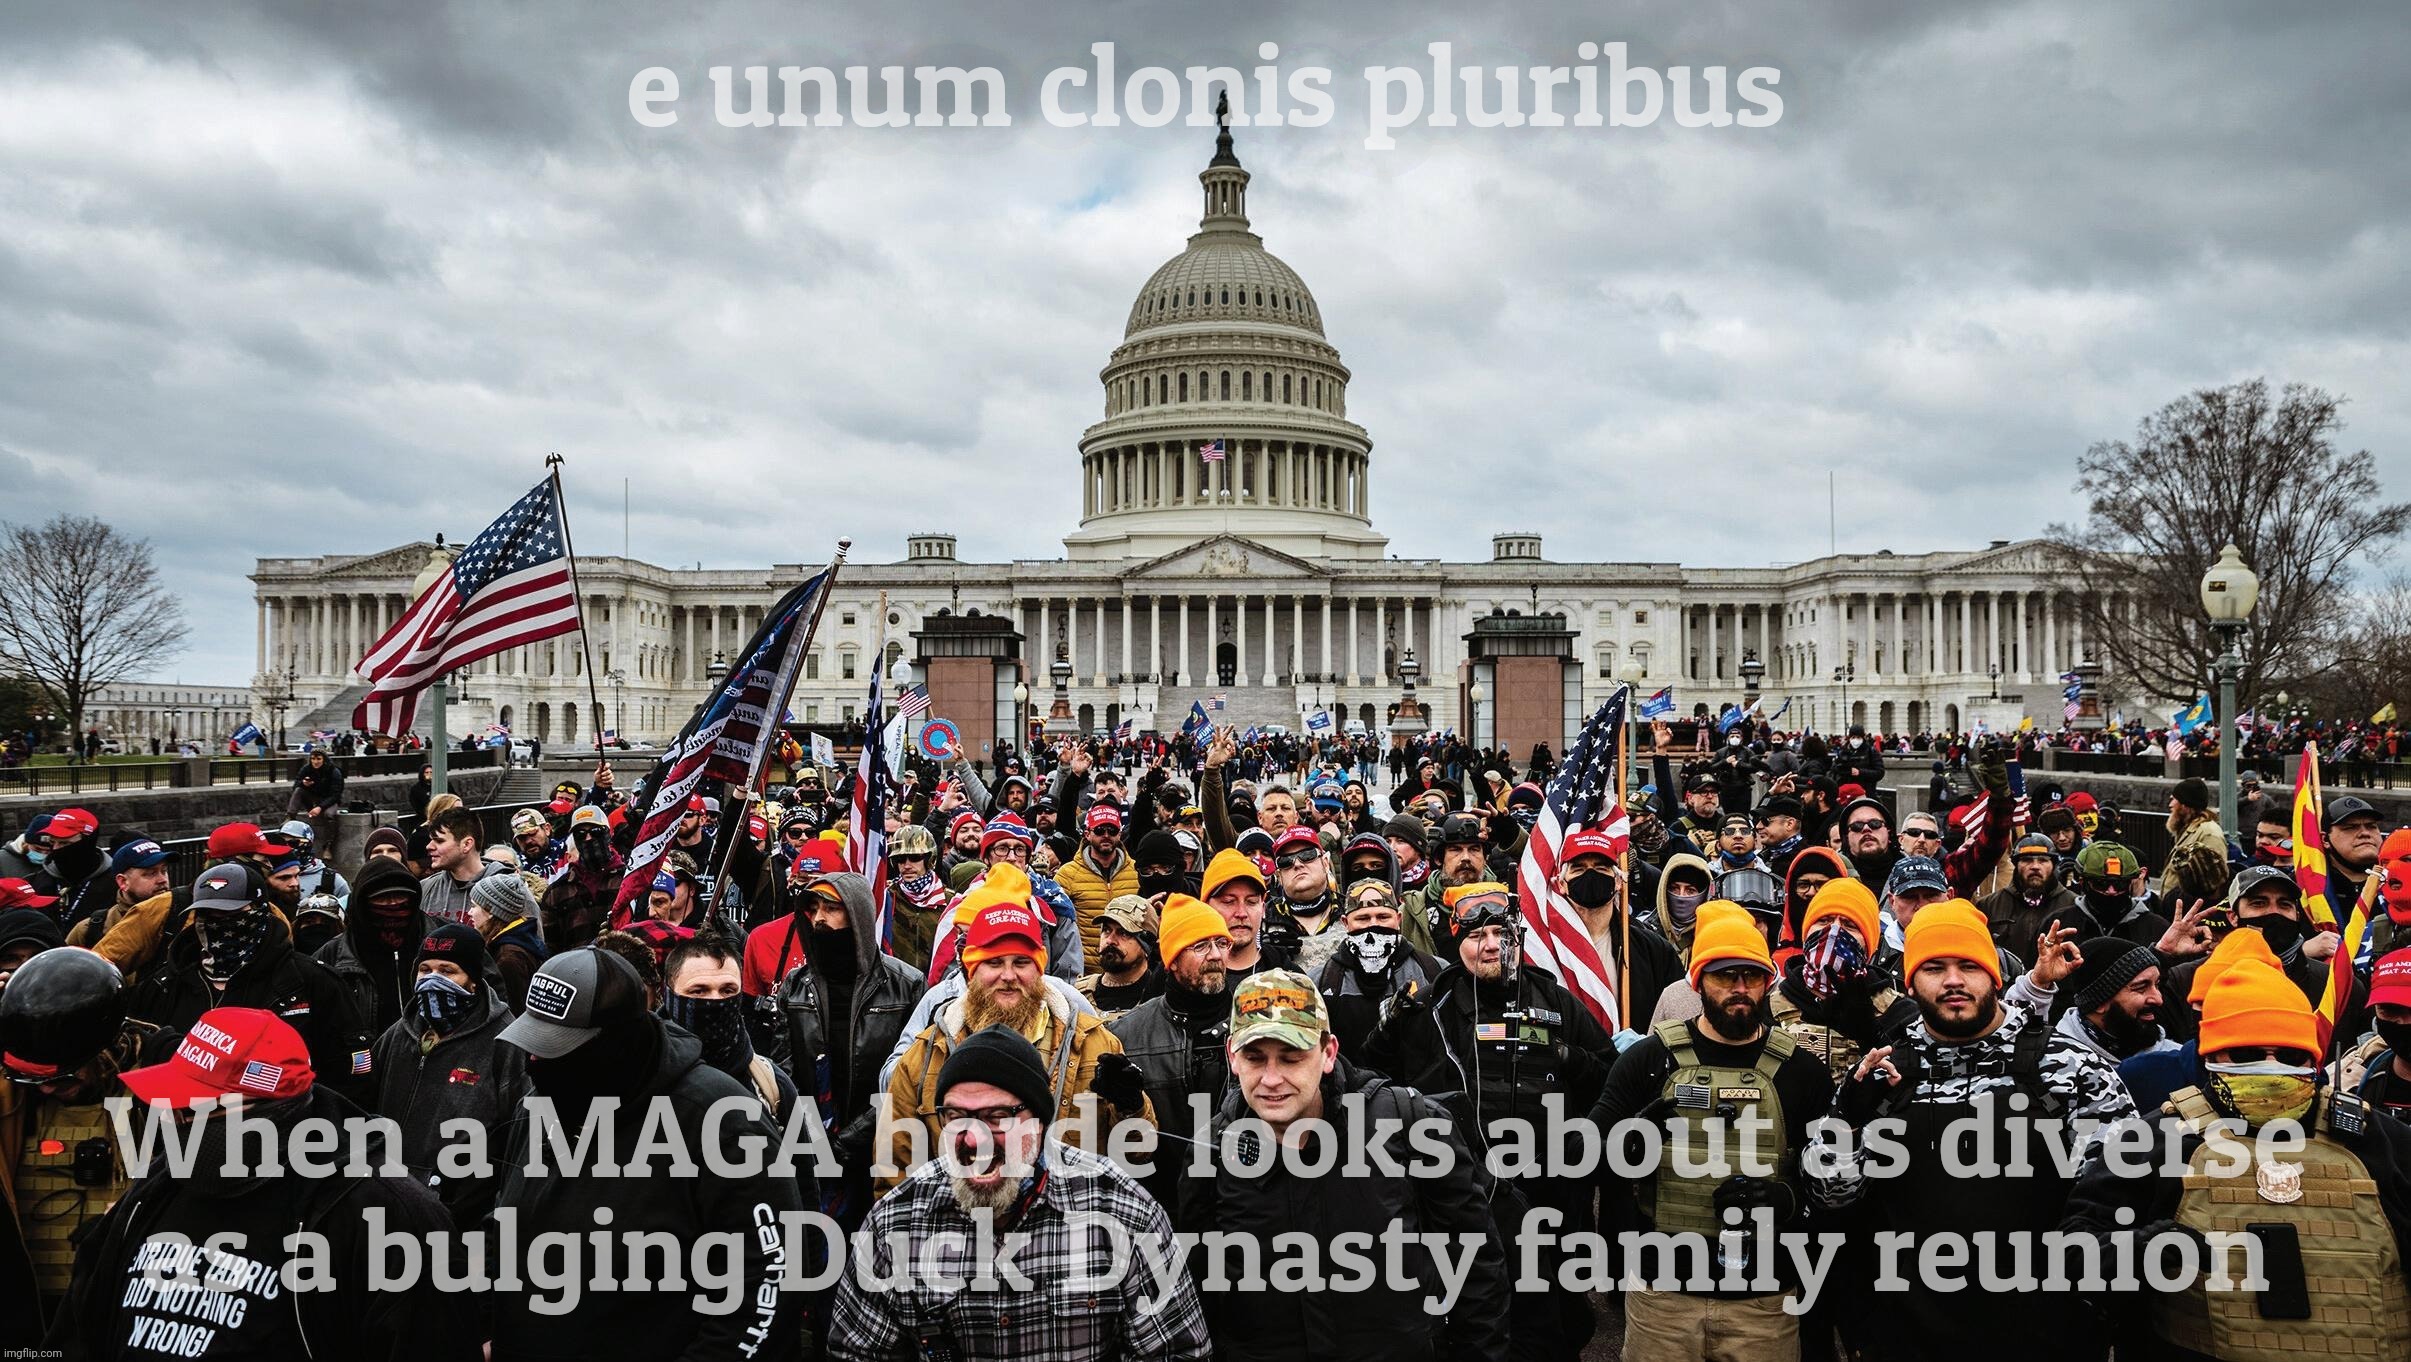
pixel 2397 1036
pixel 75 862
pixel 618 1062
pixel 2282 933
pixel 833 953
pixel 1152 885
pixel 1592 889
pixel 720 1024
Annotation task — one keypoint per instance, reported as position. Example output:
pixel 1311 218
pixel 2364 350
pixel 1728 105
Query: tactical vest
pixel 1837 1052
pixel 2359 1305
pixel 1702 1092
pixel 53 1207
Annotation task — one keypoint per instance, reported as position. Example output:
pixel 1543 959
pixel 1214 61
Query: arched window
pixel 1226 385
pixel 1184 387
pixel 1285 387
pixel 1226 297
pixel 1247 386
pixel 1259 297
pixel 1192 297
pixel 1268 385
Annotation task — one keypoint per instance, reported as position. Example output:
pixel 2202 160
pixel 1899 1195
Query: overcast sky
pixel 304 278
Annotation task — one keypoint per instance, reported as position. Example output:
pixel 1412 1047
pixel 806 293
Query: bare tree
pixel 84 609
pixel 2367 662
pixel 2220 466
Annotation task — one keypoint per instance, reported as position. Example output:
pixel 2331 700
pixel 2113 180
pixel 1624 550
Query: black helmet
pixel 60 1009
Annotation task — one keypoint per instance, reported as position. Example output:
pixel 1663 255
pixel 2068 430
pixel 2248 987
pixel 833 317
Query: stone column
pixel 1964 661
pixel 1272 655
pixel 1155 636
pixel 2051 667
pixel 1213 639
pixel 1682 642
pixel 262 664
pixel 1297 636
pixel 1356 673
pixel 2076 630
pixel 1329 663
pixel 1381 637
pixel 1184 672
pixel 1714 674
pixel 2025 650
pixel 1126 667
pixel 1238 639
pixel 1071 635
pixel 1992 631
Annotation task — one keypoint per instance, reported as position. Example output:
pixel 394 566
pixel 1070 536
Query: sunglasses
pixel 1295 859
pixel 1905 832
pixel 1865 826
pixel 798 834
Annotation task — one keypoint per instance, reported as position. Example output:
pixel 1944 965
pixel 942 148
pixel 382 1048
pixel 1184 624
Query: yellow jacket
pixel 1091 891
pixel 913 1091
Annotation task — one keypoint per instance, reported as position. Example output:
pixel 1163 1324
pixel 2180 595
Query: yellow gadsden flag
pixel 2385 715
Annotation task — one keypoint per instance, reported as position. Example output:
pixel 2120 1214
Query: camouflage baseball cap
pixel 2107 864
pixel 1281 1005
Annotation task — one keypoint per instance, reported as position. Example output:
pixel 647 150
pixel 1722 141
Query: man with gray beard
pixel 999 1177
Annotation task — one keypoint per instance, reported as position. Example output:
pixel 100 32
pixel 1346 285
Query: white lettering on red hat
pixel 199 1056
pixel 212 1037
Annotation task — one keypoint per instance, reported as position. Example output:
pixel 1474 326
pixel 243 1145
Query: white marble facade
pixel 1259 576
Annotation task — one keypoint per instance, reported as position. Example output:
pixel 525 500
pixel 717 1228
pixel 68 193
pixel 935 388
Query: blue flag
pixel 247 735
pixel 1660 705
pixel 2193 717
pixel 1198 725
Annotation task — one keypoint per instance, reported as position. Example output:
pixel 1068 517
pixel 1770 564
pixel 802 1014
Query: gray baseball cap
pixel 570 999
pixel 1916 872
pixel 225 888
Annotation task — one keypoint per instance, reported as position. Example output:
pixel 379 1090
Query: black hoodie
pixel 378 975
pixel 659 1323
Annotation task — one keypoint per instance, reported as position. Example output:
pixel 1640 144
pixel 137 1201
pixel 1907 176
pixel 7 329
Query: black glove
pixel 1861 1100
pixel 1119 1082
pixel 1993 770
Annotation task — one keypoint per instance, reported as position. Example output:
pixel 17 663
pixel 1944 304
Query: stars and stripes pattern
pixel 718 742
pixel 510 586
pixel 1583 794
pixel 1211 451
pixel 912 702
pixel 261 1076
pixel 866 817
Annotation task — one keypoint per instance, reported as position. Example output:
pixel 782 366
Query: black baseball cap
pixel 570 999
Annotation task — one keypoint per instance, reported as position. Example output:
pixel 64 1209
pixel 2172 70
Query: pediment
pixel 404 561
pixel 1229 555
pixel 2024 556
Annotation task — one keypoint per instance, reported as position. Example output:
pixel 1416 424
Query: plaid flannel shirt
pixel 1056 1321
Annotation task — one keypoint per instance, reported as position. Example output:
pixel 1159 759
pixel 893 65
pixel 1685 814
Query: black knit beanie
pixel 2110 964
pixel 1003 1058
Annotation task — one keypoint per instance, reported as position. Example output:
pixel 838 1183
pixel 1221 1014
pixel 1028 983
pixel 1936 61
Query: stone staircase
pixel 523 785
pixel 1244 705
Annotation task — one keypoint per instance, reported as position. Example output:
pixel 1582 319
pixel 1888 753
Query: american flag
pixel 718 742
pixel 1581 795
pixel 866 822
pixel 912 702
pixel 1216 702
pixel 510 586
pixel 1211 451
pixel 260 1076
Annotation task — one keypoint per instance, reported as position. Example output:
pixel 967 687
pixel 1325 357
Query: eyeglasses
pixel 1865 825
pixel 994 1118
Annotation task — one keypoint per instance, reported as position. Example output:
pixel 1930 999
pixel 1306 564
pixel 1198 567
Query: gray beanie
pixel 505 896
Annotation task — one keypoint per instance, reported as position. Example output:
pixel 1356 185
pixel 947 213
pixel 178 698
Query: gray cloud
pixel 290 278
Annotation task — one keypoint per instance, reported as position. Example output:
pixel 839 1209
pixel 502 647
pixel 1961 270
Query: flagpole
pixel 594 698
pixel 1624 868
pixel 789 666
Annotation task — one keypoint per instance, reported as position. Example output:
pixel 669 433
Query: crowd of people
pixel 1158 985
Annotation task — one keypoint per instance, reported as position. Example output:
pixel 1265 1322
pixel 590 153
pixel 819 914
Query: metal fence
pixel 189 856
pixel 179 773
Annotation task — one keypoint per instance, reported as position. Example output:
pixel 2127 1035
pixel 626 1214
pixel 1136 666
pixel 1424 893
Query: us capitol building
pixel 1259 578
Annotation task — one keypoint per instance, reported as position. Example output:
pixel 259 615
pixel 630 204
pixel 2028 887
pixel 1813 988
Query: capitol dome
pixel 1224 353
